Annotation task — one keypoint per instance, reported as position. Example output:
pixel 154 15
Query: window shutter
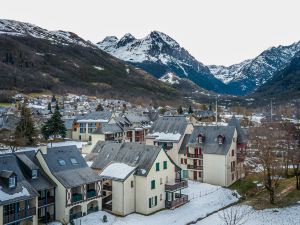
pixel 155 200
pixel 157 166
pixel 149 202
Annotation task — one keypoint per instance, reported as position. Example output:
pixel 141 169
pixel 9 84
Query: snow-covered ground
pixel 284 216
pixel 204 199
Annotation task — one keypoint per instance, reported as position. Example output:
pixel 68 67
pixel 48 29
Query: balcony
pixel 76 197
pixel 193 167
pixel 195 156
pixel 19 215
pixel 180 199
pixel 107 187
pixel 91 193
pixel 46 201
pixel 176 186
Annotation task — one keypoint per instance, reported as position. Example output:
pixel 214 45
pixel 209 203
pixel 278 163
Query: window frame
pixel 74 163
pixel 10 183
pixel 165 165
pixel 34 174
pixel 157 167
pixel 60 162
pixel 152 184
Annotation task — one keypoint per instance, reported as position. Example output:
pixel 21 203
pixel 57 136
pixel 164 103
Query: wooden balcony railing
pixel 107 187
pixel 182 199
pixel 44 201
pixel 178 185
pixel 193 167
pixel 76 197
pixel 91 193
pixel 195 156
pixel 19 215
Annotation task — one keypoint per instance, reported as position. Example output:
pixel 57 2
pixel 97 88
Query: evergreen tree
pixel 56 106
pixel 55 126
pixel 49 106
pixel 99 108
pixel 190 110
pixel 25 129
pixel 179 110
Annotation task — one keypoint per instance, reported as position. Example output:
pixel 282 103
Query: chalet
pixel 78 188
pixel 137 178
pixel 85 125
pixel 168 132
pixel 210 155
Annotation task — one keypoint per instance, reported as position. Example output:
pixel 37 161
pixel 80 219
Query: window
pixel 200 174
pixel 74 161
pixel 161 181
pixel 34 174
pixel 232 152
pixel 61 162
pixel 152 201
pixel 161 197
pixel 157 166
pixel 91 127
pixel 153 184
pixel 12 182
pixel 181 160
pixel 131 184
pixel 165 165
pixel 82 128
pixel 185 161
pixel 79 137
pixel 232 177
pixel 90 138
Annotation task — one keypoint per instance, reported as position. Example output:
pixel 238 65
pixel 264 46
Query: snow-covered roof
pixel 161 136
pixel 119 171
pixel 5 196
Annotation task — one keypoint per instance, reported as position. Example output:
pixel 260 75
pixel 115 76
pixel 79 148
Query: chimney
pixel 43 149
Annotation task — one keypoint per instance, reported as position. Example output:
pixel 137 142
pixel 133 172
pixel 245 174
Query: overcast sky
pixel 214 31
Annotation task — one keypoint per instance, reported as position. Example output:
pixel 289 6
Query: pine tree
pixel 25 129
pixel 190 110
pixel 179 110
pixel 55 126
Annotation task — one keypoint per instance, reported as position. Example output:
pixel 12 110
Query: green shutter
pixel 155 200
pixel 149 202
pixel 157 166
pixel 153 184
pixel 165 165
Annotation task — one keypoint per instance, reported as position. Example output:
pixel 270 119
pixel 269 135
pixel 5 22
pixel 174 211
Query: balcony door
pixel 195 175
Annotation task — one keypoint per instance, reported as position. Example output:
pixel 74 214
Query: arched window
pixel 221 139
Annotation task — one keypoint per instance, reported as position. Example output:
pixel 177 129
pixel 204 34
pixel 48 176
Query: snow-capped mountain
pixel 159 54
pixel 248 75
pixel 16 28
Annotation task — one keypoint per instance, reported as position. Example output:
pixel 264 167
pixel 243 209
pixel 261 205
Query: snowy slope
pixel 170 78
pixel 159 54
pixel 16 28
pixel 250 74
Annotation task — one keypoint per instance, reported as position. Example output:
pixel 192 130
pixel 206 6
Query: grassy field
pixel 4 104
pixel 286 193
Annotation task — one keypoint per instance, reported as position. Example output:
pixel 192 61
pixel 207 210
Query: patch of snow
pixel 170 78
pixel 161 136
pixel 4 196
pixel 98 68
pixel 117 171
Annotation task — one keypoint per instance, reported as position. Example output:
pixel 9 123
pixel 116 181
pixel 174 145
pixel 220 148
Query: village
pixel 83 160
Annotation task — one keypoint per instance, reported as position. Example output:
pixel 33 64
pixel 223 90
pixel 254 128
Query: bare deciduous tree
pixel 266 139
pixel 235 215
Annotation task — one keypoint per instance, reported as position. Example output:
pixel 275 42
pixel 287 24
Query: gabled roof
pixel 175 125
pixel 69 175
pixel 136 118
pixel 108 128
pixel 43 181
pixel 102 116
pixel 210 144
pixel 241 137
pixel 133 154
pixel 23 190
pixel 117 171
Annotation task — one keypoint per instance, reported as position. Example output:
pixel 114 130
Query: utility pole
pixel 217 111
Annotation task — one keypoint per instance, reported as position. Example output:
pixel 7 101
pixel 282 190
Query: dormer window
pixel 61 162
pixel 12 182
pixel 34 174
pixel 201 138
pixel 221 139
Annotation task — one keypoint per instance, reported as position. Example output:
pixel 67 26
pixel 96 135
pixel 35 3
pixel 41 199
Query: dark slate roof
pixel 68 123
pixel 108 128
pixel 133 154
pixel 43 181
pixel 6 173
pixel 101 115
pixel 69 175
pixel 210 144
pixel 9 162
pixel 241 137
pixel 204 113
pixel 185 141
pixel 169 124
pixel 136 118
pixel 8 122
